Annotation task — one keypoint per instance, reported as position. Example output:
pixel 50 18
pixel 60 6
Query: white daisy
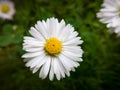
pixel 110 13
pixel 6 9
pixel 53 48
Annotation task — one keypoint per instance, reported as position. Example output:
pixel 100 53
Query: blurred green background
pixel 100 69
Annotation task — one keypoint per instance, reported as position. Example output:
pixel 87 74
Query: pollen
pixel 53 46
pixel 5 8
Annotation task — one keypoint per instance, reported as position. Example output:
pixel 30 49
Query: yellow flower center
pixel 53 46
pixel 5 8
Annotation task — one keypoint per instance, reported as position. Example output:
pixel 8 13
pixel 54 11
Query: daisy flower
pixel 110 13
pixel 6 9
pixel 53 49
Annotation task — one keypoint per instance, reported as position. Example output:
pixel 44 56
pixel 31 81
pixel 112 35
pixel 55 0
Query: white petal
pixel 116 21
pixel 66 64
pixel 59 28
pixel 73 35
pixel 51 75
pixel 106 20
pixel 40 27
pixel 36 34
pixel 117 30
pixel 34 70
pixel 53 26
pixel 72 56
pixel 43 72
pixel 65 33
pixel 34 49
pixel 29 55
pixel 108 10
pixel 69 64
pixel 32 61
pixel 31 42
pixel 73 69
pixel 32 45
pixel 75 41
pixel 56 70
pixel 61 68
pixel 40 61
pixel 73 49
pixel 47 66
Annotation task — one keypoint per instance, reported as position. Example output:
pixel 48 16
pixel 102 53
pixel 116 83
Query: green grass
pixel 100 69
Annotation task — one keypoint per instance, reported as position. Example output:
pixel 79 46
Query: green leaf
pixel 18 38
pixel 7 29
pixel 6 40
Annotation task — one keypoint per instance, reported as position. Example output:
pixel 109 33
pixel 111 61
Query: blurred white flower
pixel 110 13
pixel 53 48
pixel 7 9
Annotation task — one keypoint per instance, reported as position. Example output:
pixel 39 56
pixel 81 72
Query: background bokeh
pixel 100 69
